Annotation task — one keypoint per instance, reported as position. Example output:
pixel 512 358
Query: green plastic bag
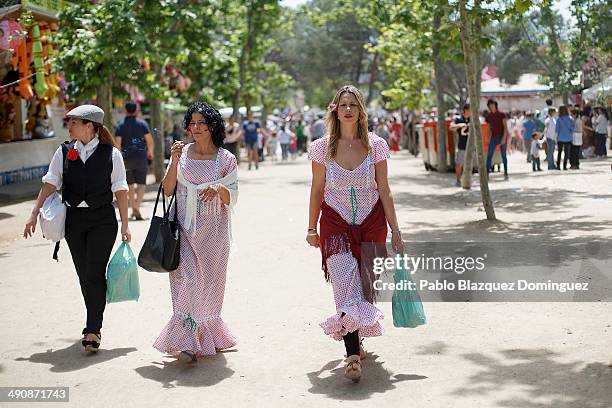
pixel 406 304
pixel 122 276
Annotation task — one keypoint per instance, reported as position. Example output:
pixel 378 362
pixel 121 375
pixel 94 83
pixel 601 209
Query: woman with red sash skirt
pixel 350 192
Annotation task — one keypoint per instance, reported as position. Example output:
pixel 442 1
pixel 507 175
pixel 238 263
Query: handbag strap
pixel 160 191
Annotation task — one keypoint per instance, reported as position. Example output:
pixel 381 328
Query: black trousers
pixel 600 144
pixel 575 156
pixel 563 147
pixel 91 234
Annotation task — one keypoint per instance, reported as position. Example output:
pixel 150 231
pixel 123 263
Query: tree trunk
pixel 246 50
pixel 441 125
pixel 264 113
pixel 158 140
pixel 470 39
pixel 359 64
pixel 372 86
pixel 104 98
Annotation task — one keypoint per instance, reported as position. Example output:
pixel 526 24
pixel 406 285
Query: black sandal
pixel 91 345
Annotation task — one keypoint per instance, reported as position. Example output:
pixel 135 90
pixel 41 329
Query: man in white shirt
pixel 551 137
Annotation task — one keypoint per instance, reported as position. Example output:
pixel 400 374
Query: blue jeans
pixel 284 149
pixel 496 140
pixel 550 153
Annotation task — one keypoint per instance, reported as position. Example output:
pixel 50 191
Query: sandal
pixel 353 368
pixel 137 216
pixel 187 357
pixel 90 345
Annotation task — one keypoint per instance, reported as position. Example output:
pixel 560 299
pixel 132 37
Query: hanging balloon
pixel 25 90
pixel 37 54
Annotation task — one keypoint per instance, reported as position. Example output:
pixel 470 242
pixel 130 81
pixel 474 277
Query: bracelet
pixel 392 231
pixel 312 229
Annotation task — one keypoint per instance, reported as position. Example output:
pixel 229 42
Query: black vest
pixel 89 181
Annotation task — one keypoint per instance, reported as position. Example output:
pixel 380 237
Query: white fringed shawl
pixel 214 207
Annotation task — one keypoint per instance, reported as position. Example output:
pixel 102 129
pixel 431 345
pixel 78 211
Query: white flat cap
pixel 88 112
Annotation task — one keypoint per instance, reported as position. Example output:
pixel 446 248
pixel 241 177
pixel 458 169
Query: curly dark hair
pixel 213 119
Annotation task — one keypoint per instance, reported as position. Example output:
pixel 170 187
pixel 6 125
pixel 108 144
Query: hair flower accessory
pixel 73 154
pixel 333 107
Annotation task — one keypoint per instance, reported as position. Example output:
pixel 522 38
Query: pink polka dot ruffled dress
pixel 352 194
pixel 197 287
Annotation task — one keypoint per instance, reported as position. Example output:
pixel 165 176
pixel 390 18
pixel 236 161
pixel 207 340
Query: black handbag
pixel 161 249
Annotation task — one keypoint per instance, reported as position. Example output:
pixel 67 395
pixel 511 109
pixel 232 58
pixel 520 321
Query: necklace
pixel 350 142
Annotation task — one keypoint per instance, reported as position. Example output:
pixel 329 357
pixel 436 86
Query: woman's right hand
pixel 313 239
pixel 30 227
pixel 176 150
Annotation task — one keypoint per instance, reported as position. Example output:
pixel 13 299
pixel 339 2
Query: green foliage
pixel 100 43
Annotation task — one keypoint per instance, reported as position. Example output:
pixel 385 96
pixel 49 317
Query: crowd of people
pixel 288 137
pixel 571 133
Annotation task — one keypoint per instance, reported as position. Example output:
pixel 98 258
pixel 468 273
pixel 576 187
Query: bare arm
pixel 169 181
pixel 122 204
pixel 386 197
pixel 150 145
pixel 505 136
pixel 384 191
pixel 45 191
pixel 454 125
pixel 317 189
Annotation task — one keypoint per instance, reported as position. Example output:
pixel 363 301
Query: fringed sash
pixel 337 236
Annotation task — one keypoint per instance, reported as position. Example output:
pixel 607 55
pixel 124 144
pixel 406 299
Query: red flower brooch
pixel 73 154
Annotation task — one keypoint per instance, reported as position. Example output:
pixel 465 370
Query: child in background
pixel 293 146
pixel 271 145
pixel 536 146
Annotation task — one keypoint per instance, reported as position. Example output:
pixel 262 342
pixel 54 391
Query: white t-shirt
pixel 535 148
pixel 577 136
pixel 601 125
pixel 550 124
pixel 283 137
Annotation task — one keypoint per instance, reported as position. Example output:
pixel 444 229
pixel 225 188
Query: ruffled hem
pixel 205 338
pixel 362 316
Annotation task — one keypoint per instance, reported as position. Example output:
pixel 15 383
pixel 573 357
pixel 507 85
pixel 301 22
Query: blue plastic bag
pixel 406 304
pixel 122 276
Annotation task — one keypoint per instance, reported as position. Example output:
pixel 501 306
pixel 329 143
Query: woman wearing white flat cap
pixel 88 170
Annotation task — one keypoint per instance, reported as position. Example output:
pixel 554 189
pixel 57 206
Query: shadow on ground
pixel 545 381
pixel 330 380
pixel 209 371
pixel 74 357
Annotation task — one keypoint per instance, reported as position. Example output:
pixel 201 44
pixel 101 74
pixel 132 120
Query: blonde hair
pixel 333 123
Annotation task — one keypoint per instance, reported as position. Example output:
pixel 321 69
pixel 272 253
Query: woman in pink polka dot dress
pixel 350 192
pixel 205 178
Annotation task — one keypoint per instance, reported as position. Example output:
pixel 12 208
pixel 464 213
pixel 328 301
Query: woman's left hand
pixel 209 192
pixel 396 242
pixel 126 235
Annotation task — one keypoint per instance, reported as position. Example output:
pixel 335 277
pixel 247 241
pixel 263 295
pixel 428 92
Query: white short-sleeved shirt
pixel 550 124
pixel 341 184
pixel 56 167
